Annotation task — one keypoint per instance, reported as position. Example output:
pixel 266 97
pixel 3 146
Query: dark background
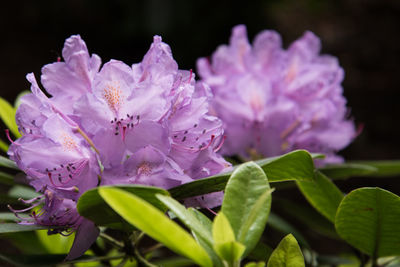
pixel 363 34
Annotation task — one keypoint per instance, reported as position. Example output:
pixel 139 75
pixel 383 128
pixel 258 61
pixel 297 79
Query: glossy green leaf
pixel 296 165
pixel 7 115
pixel 285 227
pixel 14 227
pixel 247 203
pixel 322 194
pixel 368 219
pixel 3 146
pixel 55 244
pixel 154 223
pixel 92 206
pixel 207 225
pixel 287 254
pixel 5 162
pixel 346 170
pixel 187 217
pixel 222 231
pixel 230 252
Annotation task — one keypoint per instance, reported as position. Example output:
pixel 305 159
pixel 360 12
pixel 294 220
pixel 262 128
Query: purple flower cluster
pixel 142 124
pixel 273 100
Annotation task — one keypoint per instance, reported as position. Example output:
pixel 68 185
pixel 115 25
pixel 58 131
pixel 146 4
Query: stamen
pixel 216 149
pixel 9 138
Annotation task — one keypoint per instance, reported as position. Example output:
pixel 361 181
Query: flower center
pixel 144 169
pixel 113 96
pixel 68 142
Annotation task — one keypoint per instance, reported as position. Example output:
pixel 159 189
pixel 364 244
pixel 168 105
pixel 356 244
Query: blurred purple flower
pixel 273 100
pixel 146 124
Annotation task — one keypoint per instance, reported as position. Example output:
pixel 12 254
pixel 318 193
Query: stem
pixel 111 240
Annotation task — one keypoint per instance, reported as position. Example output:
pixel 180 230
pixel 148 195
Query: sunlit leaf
pixel 154 223
pixel 287 254
pixel 207 225
pixel 188 218
pixel 7 115
pixel 92 206
pixel 3 146
pixel 247 203
pixel 55 244
pixel 221 229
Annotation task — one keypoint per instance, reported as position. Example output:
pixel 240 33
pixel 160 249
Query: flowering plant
pixel 116 153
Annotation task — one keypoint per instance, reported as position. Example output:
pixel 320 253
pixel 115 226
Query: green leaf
pixel 247 203
pixel 92 206
pixel 3 146
pixel 284 227
pixel 5 162
pixel 187 217
pixel 55 244
pixel 346 170
pixel 6 178
pixel 385 168
pixel 8 216
pixel 154 223
pixel 7 114
pixel 230 252
pixel 296 165
pixel 24 192
pixel 368 219
pixel 13 228
pixel 42 260
pixel 322 194
pixel 207 225
pixel 174 262
pixel 255 264
pixel 221 229
pixel 26 242
pixel 287 254
pixel 293 166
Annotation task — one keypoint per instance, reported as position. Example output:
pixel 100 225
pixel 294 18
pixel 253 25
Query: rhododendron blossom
pixel 273 100
pixel 146 124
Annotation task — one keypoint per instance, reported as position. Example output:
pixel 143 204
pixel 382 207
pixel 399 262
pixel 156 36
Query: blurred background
pixel 363 34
